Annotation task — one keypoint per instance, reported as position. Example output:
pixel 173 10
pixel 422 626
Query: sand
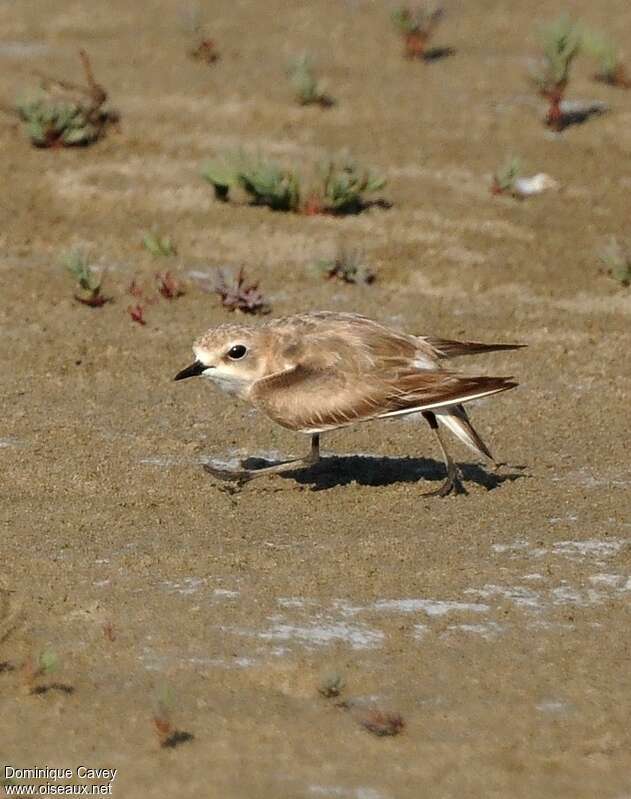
pixel 495 623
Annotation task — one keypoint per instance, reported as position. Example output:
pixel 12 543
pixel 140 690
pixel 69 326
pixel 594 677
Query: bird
pixel 319 371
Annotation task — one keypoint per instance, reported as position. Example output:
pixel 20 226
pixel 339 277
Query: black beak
pixel 194 370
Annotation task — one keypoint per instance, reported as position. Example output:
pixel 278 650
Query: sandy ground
pixel 496 623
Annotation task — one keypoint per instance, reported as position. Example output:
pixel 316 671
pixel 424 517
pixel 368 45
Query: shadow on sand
pixel 438 53
pixel 368 470
pixel 577 113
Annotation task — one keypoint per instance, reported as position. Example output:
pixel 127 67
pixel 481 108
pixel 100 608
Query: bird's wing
pixel 427 390
pixel 447 348
pixel 313 400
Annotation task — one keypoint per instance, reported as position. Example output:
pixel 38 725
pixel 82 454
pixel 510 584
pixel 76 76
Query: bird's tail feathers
pixel 456 419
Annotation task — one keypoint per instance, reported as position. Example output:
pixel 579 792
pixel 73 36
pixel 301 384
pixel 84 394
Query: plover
pixel 320 371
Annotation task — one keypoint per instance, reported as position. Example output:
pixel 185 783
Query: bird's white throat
pixel 229 383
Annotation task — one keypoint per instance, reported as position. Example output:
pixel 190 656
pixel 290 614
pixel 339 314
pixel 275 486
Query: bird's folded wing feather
pixel 447 348
pixel 313 400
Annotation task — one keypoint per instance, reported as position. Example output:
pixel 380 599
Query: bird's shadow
pixel 581 114
pixel 438 53
pixel 369 470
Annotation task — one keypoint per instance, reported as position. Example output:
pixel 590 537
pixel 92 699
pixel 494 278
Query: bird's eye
pixel 236 352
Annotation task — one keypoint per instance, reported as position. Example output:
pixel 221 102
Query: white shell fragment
pixel 524 187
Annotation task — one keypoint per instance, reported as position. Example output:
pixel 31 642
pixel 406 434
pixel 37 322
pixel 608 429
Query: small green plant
pixel 160 246
pixel 65 114
pixel 339 188
pixel 33 669
pixel 307 89
pixel 344 184
pixel 237 294
pixel 611 69
pixel 561 43
pixel 347 267
pixel 89 281
pixel 509 180
pixel 331 685
pixel 269 184
pixel 616 257
pixel 192 23
pixel 505 177
pixel 57 123
pixel 416 25
pixel 168 735
pixel 223 174
pixel 265 182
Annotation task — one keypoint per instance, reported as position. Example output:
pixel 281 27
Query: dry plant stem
pixel 415 44
pixel 164 730
pixel 554 119
pixel 137 313
pixel 30 673
pixel 93 90
pixel 168 286
pixel 205 51
pixel 134 289
pixel 382 723
pixel 313 206
pixel 97 92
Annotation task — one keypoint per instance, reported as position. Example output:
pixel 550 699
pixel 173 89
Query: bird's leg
pixel 244 474
pixel 453 482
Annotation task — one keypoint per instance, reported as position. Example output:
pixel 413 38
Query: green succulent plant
pixel 50 122
pixel 416 26
pixel 48 662
pixel 160 246
pixel 417 20
pixel 223 174
pixel 616 257
pixel 505 177
pixel 604 50
pixel 344 185
pixel 269 184
pixel 307 89
pixel 88 280
pixel 64 114
pixel 331 685
pixel 561 41
pixel 611 70
pixel 265 182
pixel 340 185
